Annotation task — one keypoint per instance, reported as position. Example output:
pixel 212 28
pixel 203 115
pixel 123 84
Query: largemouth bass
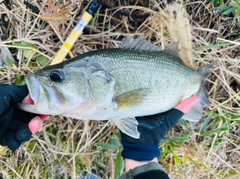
pixel 136 79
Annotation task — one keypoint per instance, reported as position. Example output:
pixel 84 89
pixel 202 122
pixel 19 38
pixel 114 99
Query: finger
pixel 18 92
pixel 16 125
pixel 20 129
pixel 23 116
pixel 9 139
pixel 44 117
pixel 35 124
pixel 186 104
pixel 11 93
pixel 27 100
pixel 23 134
pixel 5 100
pixel 5 119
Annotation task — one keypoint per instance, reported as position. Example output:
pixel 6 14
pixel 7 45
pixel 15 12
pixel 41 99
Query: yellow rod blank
pixel 72 38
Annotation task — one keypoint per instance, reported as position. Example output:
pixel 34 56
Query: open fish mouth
pixel 30 101
pixel 32 84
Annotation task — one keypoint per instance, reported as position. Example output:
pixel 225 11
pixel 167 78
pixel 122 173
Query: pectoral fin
pixel 132 98
pixel 128 126
pixel 195 113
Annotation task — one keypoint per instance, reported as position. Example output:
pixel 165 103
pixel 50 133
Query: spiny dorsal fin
pixel 139 44
pixel 173 49
pixel 132 98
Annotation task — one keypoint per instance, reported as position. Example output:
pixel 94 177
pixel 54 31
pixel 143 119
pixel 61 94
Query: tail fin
pixel 204 71
pixel 195 113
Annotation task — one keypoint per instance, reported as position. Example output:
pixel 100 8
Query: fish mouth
pixel 32 84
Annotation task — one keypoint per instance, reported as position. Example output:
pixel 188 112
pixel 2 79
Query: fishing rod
pixel 75 33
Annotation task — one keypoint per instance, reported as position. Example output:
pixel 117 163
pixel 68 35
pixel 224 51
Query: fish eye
pixel 56 76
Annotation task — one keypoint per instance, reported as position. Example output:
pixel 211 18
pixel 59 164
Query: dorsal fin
pixel 173 49
pixel 139 44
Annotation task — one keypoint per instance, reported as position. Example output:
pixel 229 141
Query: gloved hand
pixel 13 121
pixel 152 129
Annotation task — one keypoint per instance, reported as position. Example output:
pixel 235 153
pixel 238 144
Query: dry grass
pixel 66 148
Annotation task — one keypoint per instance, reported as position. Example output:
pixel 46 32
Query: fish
pixel 118 84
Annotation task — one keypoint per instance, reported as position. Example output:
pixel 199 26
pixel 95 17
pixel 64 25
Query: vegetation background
pixel 207 32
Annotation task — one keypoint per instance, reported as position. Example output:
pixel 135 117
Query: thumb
pixel 35 124
pixel 186 104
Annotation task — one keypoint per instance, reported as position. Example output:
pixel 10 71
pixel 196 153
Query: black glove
pixel 13 121
pixel 152 129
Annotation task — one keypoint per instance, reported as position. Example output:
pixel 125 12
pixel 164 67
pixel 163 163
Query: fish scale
pixel 154 68
pixel 154 73
pixel 118 85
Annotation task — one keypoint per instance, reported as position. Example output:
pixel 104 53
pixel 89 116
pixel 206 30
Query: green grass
pixel 229 8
